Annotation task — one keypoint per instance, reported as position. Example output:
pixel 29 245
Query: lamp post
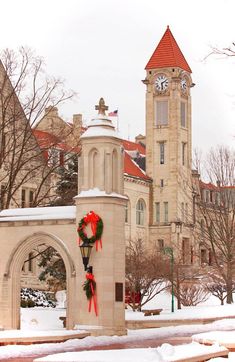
pixel 169 251
pixel 85 249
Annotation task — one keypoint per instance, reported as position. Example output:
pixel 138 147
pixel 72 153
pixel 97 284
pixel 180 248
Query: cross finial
pixel 101 108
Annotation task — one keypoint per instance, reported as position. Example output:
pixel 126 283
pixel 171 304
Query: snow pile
pixel 39 318
pixel 36 298
pixel 160 354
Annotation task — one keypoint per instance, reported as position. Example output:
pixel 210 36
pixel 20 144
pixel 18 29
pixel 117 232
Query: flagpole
pixel 117 120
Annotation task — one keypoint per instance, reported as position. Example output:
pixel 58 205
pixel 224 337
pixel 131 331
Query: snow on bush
pixel 36 298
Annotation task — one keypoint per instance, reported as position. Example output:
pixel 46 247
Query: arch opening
pixel 22 269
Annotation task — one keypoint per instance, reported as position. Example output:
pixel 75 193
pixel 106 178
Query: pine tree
pixel 68 184
pixel 54 272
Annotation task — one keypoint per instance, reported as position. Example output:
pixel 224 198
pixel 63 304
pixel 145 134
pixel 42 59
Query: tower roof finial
pixel 101 107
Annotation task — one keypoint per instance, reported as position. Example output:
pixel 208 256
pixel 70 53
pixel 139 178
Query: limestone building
pixel 158 179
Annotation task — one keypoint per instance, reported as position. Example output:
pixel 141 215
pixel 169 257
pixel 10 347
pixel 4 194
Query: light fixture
pixel 85 249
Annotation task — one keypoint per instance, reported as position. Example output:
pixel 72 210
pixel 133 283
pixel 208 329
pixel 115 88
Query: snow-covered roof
pixel 96 192
pixel 100 126
pixel 39 213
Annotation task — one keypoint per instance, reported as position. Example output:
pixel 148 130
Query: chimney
pixel 140 139
pixel 77 121
pixel 51 111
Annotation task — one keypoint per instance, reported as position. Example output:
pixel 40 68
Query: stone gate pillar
pixel 101 191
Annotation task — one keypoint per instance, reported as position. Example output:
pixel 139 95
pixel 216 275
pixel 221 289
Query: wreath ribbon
pixel 92 284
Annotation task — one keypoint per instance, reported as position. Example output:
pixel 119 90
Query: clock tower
pixel 168 141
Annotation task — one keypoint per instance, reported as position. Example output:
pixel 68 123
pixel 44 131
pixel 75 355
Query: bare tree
pixel 193 294
pixel 215 222
pixel 146 273
pixel 227 51
pixel 216 286
pixel 25 92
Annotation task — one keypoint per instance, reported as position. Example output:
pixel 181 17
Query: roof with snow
pixel 39 213
pixel 168 54
pixel 134 160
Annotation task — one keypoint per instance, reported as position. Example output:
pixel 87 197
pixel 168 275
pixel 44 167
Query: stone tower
pixel 101 190
pixel 168 141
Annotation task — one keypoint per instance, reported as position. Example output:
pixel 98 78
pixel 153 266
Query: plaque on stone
pixel 118 292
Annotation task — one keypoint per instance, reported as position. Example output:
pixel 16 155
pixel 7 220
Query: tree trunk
pixel 229 284
pixel 178 291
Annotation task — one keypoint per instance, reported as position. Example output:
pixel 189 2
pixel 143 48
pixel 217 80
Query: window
pixel 162 152
pixel 183 114
pixel 23 198
pixel 211 196
pixel 217 198
pixel 203 257
pixel 160 244
pixel 183 153
pixel 165 211
pixel 206 195
pixel 3 196
pixel 186 212
pixel 30 198
pixel 157 204
pixel 27 197
pixel 182 211
pixel 140 207
pixel 161 113
pixel 126 213
pixel 161 183
pixel 186 251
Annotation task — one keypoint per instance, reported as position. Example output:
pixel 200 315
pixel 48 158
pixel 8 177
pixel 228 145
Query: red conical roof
pixel 168 54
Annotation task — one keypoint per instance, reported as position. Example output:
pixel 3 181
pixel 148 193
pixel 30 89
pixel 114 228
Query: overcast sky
pixel 101 48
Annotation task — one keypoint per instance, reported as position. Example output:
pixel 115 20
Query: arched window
pixel 140 211
pixel 127 211
pixel 93 168
pixel 115 171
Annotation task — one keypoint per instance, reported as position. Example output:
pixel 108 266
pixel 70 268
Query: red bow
pixel 91 278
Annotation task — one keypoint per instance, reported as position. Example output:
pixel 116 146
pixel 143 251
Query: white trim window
pixel 140 212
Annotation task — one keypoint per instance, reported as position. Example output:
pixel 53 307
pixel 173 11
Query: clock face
pixel 161 83
pixel 184 85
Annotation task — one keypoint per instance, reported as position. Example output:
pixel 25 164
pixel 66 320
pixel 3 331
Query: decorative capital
pixel 101 107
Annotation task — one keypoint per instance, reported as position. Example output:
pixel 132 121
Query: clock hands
pixel 164 81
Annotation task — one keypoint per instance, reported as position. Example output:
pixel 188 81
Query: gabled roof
pixel 132 169
pixel 168 54
pixel 207 186
pixel 210 186
pixel 132 146
pixel 47 140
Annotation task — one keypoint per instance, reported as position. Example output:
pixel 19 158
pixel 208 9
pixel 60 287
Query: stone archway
pixel 12 273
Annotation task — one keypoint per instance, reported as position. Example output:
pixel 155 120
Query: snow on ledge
pixel 99 130
pixel 39 213
pixel 166 352
pixel 96 192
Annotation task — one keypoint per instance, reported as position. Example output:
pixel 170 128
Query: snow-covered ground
pixel 41 319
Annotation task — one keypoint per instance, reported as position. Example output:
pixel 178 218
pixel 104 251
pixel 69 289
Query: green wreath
pixel 91 217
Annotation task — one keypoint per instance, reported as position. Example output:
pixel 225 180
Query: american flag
pixel 114 113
